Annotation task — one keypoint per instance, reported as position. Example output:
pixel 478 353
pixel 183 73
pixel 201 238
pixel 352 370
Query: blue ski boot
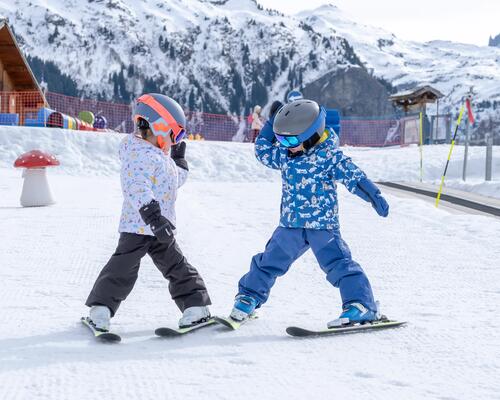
pixel 354 313
pixel 244 306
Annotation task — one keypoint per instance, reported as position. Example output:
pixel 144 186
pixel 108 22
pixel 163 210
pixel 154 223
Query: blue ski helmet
pixel 297 122
pixel 293 96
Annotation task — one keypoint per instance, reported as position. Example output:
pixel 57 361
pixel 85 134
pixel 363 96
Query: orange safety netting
pixel 56 110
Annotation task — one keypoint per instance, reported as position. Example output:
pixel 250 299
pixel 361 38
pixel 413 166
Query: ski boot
pixel 244 307
pixel 99 317
pixel 193 316
pixel 354 313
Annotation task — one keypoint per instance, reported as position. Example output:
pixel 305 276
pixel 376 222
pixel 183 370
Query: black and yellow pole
pixel 421 147
pixel 449 154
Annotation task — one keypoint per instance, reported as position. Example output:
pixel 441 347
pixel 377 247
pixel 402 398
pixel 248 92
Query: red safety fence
pixel 370 132
pixel 56 110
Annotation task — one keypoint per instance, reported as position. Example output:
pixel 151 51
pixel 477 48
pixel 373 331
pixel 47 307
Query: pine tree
pixel 284 62
pixel 191 101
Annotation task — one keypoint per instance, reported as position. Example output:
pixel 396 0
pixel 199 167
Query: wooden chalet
pixel 20 92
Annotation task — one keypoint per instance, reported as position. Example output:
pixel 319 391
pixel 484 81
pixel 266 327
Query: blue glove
pixel 267 131
pixel 369 192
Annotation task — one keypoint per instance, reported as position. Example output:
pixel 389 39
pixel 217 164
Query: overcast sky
pixel 466 21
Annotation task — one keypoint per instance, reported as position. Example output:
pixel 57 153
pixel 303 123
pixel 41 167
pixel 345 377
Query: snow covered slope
pixel 228 55
pixel 92 153
pixel 436 269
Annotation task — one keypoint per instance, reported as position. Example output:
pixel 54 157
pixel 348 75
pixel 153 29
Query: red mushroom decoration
pixel 36 191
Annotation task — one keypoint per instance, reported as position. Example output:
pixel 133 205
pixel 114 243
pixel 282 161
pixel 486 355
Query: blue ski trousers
pixel 334 257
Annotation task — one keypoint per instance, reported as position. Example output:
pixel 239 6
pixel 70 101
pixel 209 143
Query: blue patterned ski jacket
pixel 309 190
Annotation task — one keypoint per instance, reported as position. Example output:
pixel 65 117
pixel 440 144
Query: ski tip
pixel 167 332
pixel 298 332
pixel 109 337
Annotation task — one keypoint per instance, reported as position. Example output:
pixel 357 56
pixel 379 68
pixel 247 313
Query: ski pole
pixel 421 154
pixel 449 155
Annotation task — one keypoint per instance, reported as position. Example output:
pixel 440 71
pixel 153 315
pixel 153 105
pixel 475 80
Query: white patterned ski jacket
pixel 146 174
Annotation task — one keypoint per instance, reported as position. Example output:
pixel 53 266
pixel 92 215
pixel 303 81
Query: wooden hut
pixel 20 92
pixel 416 100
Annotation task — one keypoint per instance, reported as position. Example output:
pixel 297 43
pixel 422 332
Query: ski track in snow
pixel 436 269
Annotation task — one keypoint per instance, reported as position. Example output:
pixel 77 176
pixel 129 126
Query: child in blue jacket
pixel 310 162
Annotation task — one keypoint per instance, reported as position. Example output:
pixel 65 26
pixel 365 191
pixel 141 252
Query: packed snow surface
pixel 435 268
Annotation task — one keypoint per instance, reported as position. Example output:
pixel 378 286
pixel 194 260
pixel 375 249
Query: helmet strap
pixel 296 154
pixel 143 127
pixel 315 139
pixel 312 141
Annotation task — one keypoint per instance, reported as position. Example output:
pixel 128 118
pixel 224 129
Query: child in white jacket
pixel 149 180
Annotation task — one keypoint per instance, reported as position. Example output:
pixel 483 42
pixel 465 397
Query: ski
pixel 173 332
pixel 381 324
pixel 232 324
pixel 101 335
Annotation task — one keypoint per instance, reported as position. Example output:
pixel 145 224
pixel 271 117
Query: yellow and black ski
pixel 376 325
pixel 174 332
pixel 232 324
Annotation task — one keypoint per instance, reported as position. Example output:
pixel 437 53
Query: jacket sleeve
pixel 265 151
pixel 138 177
pixel 182 175
pixel 345 171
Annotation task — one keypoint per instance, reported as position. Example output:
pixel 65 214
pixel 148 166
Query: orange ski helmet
pixel 163 115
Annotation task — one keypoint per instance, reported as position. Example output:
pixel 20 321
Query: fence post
pixel 489 156
pixel 466 150
pixel 421 150
pixel 448 129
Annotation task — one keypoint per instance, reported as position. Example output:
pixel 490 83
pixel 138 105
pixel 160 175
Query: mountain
pixel 453 68
pixel 494 42
pixel 224 56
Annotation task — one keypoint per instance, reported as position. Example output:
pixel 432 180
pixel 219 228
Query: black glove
pixel 275 108
pixel 178 152
pixel 161 227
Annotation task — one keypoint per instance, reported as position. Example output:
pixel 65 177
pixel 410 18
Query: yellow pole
pixel 449 155
pixel 421 150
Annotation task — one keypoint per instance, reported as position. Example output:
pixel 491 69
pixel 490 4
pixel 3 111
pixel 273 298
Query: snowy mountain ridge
pixel 451 67
pixel 226 55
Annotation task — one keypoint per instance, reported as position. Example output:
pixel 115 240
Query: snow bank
pixel 90 153
pixel 403 164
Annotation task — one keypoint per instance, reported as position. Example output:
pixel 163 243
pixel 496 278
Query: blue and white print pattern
pixel 309 190
pixel 146 174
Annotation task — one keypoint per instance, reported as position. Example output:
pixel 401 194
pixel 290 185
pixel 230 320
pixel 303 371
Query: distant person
pixel 150 178
pixel 257 123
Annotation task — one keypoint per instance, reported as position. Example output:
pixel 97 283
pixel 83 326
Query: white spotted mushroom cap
pixel 36 159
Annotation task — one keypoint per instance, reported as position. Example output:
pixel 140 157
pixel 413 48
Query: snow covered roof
pixel 418 92
pixel 420 95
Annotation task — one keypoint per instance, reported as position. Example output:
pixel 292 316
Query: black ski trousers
pixel 118 277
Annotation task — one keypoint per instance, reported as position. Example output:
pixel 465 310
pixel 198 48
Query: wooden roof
pixel 418 96
pixel 14 62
